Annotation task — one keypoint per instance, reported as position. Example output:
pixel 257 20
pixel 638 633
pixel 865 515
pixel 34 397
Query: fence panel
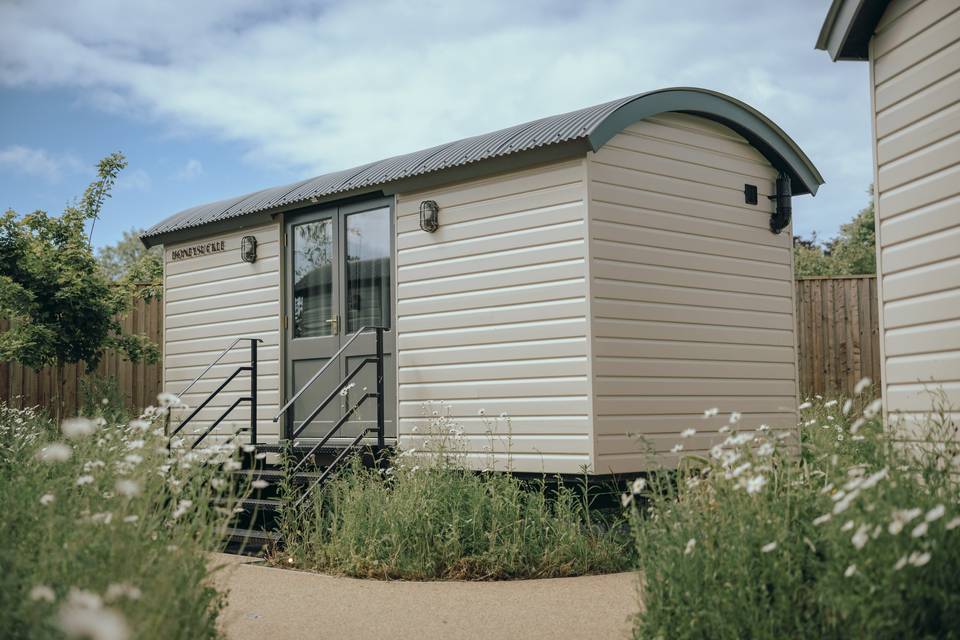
pixel 138 383
pixel 838 333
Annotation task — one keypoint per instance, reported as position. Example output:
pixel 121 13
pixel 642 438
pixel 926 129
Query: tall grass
pixel 106 533
pixel 850 532
pixel 428 517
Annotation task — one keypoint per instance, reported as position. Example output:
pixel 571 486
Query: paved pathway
pixel 265 602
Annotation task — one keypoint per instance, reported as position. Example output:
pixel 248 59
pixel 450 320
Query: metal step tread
pixel 275 475
pixel 253 535
pixel 262 504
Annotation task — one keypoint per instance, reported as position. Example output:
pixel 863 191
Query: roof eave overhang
pixel 769 139
pixel 848 27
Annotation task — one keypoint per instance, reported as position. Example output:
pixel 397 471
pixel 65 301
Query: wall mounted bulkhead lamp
pixel 248 249
pixel 429 216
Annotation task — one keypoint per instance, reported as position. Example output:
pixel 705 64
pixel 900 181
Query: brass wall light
pixel 248 249
pixel 429 216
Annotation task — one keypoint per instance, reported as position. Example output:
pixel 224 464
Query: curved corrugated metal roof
pixel 592 125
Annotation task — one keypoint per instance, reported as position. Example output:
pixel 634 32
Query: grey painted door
pixel 340 279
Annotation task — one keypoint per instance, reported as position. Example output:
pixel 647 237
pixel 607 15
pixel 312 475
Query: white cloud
pixel 191 170
pixel 38 163
pixel 135 180
pixel 324 86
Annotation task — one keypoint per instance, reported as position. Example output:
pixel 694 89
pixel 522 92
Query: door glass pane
pixel 368 269
pixel 313 278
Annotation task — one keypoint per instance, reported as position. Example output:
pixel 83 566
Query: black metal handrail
pixel 251 399
pixel 379 394
pixel 332 466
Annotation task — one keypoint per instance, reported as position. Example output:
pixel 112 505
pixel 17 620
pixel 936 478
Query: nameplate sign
pixel 198 250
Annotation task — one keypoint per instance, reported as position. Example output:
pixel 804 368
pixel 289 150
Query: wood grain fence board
pixel 838 333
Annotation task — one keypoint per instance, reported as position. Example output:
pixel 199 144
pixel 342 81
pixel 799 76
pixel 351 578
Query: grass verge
pixel 855 535
pixel 107 534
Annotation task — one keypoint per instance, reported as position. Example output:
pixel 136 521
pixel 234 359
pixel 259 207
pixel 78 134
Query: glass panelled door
pixel 339 264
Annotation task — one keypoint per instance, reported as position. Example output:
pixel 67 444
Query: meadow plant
pixel 427 516
pixel 107 532
pixel 851 532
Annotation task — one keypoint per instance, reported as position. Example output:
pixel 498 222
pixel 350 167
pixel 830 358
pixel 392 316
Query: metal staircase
pixel 308 465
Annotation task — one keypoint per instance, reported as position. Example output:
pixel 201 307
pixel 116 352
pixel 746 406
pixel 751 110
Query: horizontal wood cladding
pixel 491 318
pixel 915 61
pixel 691 295
pixel 209 301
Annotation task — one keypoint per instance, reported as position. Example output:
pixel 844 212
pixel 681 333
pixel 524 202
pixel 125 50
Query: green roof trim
pixel 760 131
pixel 848 27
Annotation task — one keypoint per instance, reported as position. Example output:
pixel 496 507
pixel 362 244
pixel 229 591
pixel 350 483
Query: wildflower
pixel 346 389
pixel 859 422
pixel 805 405
pixel 936 513
pixel 691 543
pixel 182 507
pixel 133 458
pixel 415 428
pixel 481 412
pixel 46 499
pixel 736 473
pixel 901 563
pixel 724 429
pixel 767 548
pixel 42 592
pixel 135 444
pixel 626 499
pixel 765 449
pixel 677 448
pixel 862 385
pixel 735 417
pixel 953 524
pixel 755 484
pixel 852 569
pixel 218 483
pixel 848 525
pixel 127 488
pixel 920 530
pixel 55 452
pixel 104 517
pixel 121 590
pixel 168 400
pixel 75 428
pixel 139 425
pixel 687 433
pixel 638 485
pixel 830 403
pixel 86 618
pixel 861 537
pixel 871 480
pixel 919 559
pixel 259 484
pixel 131 519
pixel 847 405
pixel 85 479
pixel 872 409
pixel 716 451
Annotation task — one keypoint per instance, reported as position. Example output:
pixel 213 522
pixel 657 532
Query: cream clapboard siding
pixel 211 300
pixel 915 70
pixel 491 315
pixel 691 294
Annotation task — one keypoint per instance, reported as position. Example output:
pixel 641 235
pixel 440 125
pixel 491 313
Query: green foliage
pixel 64 308
pixel 857 536
pixel 113 534
pixel 132 264
pixel 427 517
pixel 852 252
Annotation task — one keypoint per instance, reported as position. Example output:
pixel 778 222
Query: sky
pixel 213 99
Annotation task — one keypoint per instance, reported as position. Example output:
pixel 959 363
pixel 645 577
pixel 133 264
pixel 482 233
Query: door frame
pixel 342 208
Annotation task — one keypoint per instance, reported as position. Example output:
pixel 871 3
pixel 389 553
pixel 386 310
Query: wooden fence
pixel 138 383
pixel 837 338
pixel 838 333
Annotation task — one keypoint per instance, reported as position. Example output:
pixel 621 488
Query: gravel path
pixel 265 602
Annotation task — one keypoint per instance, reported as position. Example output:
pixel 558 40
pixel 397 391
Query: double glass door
pixel 339 280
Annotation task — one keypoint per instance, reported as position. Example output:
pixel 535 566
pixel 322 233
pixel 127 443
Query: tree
pixel 852 252
pixel 133 265
pixel 64 308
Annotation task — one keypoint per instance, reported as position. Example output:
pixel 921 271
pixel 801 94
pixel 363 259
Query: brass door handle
pixel 335 329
